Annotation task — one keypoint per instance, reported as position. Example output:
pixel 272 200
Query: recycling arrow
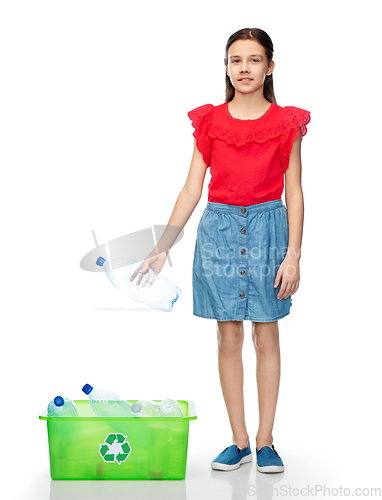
pixel 116 449
pixel 108 457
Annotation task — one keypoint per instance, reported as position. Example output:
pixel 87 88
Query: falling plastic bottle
pixel 170 408
pixel 62 407
pixel 146 409
pixel 161 295
pixel 106 403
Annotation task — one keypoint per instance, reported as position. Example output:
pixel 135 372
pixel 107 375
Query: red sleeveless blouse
pixel 247 158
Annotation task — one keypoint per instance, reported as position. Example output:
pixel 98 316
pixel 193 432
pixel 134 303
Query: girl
pixel 247 251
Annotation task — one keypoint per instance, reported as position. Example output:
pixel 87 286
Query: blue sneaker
pixel 232 457
pixel 268 460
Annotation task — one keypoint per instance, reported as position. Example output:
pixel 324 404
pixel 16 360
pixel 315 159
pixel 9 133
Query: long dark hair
pixel 264 40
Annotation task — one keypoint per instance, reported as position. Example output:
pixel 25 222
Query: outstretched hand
pixel 151 267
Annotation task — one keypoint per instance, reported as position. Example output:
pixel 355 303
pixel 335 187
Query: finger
pixel 147 278
pixel 154 278
pixel 280 294
pixel 277 279
pixel 286 292
pixel 144 268
pixel 140 278
pixel 283 287
pixel 135 274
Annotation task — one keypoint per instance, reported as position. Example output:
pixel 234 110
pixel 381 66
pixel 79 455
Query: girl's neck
pixel 248 105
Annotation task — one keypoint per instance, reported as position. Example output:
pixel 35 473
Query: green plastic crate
pixel 92 447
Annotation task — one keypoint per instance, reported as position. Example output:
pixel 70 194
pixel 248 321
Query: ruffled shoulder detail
pixel 239 139
pixel 293 120
pixel 201 118
pixel 287 125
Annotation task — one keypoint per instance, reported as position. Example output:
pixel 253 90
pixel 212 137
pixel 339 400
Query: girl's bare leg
pixel 230 346
pixel 265 338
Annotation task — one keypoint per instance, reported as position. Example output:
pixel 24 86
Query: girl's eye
pixel 234 60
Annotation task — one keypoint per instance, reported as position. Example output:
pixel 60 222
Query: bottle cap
pixel 59 401
pixel 136 407
pixel 87 388
pixel 100 261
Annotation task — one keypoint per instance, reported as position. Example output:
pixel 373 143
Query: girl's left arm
pixel 294 200
pixel 289 269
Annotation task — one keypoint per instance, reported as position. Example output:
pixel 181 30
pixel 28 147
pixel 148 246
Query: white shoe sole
pixel 244 460
pixel 271 468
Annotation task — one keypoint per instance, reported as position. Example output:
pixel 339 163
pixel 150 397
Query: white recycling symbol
pixel 115 449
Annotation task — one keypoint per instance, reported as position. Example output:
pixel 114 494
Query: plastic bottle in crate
pixel 106 403
pixel 146 409
pixel 170 408
pixel 62 407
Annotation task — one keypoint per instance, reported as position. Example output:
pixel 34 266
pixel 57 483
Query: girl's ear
pixel 271 67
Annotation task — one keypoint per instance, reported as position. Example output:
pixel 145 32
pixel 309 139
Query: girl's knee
pixel 230 335
pixel 265 336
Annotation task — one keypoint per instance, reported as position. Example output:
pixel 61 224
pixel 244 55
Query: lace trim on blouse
pixel 293 120
pixel 239 139
pixel 201 118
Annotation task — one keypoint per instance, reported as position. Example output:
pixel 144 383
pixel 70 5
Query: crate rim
pixel 191 410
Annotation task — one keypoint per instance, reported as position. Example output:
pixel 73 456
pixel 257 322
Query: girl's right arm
pixel 185 204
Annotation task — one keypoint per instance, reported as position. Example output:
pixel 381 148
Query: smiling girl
pixel 248 246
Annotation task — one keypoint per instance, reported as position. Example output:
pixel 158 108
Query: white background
pixel 95 136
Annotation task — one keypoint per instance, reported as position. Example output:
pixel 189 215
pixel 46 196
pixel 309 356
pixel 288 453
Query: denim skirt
pixel 238 252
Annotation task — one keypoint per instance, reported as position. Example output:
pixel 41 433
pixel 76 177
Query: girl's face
pixel 247 66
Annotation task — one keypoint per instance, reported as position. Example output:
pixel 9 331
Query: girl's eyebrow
pixel 253 55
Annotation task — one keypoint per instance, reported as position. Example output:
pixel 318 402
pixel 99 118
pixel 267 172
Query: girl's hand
pixel 150 267
pixel 289 270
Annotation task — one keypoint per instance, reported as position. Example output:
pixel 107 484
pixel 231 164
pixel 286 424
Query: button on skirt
pixel 238 252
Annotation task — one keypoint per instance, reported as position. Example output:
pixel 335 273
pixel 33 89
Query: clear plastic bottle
pixel 62 407
pixel 106 403
pixel 145 408
pixel 161 295
pixel 170 408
